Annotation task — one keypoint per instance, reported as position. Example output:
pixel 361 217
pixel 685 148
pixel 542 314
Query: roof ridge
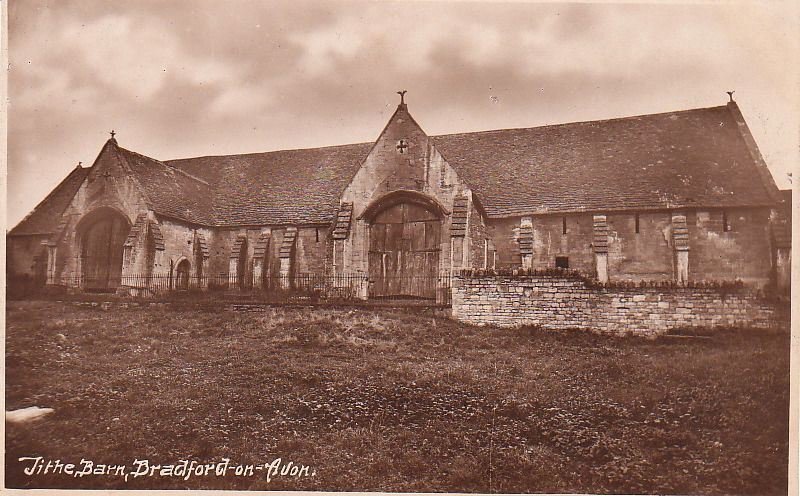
pixel 487 131
pixel 572 123
pixel 165 165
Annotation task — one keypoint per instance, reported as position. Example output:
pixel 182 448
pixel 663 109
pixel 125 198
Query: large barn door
pixel 404 252
pixel 102 247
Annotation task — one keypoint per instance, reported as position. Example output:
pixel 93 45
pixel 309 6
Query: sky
pixel 189 78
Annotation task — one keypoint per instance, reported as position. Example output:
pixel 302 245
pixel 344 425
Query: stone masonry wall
pixel 107 186
pixel 743 252
pixel 644 255
pixel 421 168
pixel 311 249
pixel 570 302
pixel 21 253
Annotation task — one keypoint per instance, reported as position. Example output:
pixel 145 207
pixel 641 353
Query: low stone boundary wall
pixel 571 302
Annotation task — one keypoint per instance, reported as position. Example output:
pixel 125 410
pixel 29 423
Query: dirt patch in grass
pixel 391 401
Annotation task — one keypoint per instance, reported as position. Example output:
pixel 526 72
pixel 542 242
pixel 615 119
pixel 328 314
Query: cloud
pixel 238 100
pixel 135 57
pixel 197 77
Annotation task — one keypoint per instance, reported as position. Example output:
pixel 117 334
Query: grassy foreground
pixel 382 401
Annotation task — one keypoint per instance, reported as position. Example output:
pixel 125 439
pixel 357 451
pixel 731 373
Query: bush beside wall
pixel 570 302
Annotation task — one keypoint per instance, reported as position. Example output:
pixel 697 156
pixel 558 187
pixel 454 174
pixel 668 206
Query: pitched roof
pixel 693 158
pixel 171 191
pixel 45 217
pixel 281 187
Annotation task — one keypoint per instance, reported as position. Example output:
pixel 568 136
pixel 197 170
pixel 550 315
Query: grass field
pixel 393 402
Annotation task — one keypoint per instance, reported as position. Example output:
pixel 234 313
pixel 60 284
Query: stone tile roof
pixel 44 219
pixel 278 188
pixel 171 191
pixel 691 158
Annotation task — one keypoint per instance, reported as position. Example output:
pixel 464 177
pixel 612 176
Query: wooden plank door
pixel 102 254
pixel 404 252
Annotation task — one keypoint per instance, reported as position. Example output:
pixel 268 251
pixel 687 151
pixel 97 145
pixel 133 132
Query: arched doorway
pixel 102 235
pixel 182 275
pixel 404 247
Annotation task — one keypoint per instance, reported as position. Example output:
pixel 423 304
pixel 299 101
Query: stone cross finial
pixel 402 96
pixel 730 94
pixel 112 133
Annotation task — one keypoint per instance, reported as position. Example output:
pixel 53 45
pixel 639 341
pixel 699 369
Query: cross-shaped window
pixel 402 145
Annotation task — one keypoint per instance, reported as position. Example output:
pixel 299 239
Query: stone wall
pixel 550 241
pixel 178 238
pixel 21 253
pixel 311 250
pixel 643 255
pixel 743 251
pixel 568 301
pixel 482 253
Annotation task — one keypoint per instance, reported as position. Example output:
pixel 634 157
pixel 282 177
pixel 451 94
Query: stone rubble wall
pixel 565 302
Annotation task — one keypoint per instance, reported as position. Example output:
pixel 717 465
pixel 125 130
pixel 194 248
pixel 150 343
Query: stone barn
pixel 680 196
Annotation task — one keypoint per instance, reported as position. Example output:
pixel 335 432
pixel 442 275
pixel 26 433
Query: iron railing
pixel 303 287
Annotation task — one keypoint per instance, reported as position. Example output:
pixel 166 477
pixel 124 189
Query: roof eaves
pixel 663 208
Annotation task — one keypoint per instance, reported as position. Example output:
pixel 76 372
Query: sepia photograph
pixel 400 246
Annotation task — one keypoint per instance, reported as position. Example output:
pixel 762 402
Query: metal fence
pixel 304 287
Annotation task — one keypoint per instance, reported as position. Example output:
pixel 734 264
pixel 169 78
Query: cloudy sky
pixel 194 77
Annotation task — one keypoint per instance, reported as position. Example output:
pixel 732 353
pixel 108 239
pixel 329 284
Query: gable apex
pixel 401 116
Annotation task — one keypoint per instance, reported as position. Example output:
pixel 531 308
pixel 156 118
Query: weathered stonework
pixel 419 170
pixel 600 247
pixel 559 302
pixel 480 216
pixel 645 255
pixel 717 254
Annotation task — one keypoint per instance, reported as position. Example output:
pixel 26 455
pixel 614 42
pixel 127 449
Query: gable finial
pixel 402 96
pixel 730 95
pixel 113 133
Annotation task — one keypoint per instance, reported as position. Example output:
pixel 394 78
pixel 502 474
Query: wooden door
pixel 404 252
pixel 102 248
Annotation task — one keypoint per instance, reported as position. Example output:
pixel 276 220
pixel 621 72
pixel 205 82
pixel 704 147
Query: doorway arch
pixel 182 271
pixel 102 235
pixel 404 247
